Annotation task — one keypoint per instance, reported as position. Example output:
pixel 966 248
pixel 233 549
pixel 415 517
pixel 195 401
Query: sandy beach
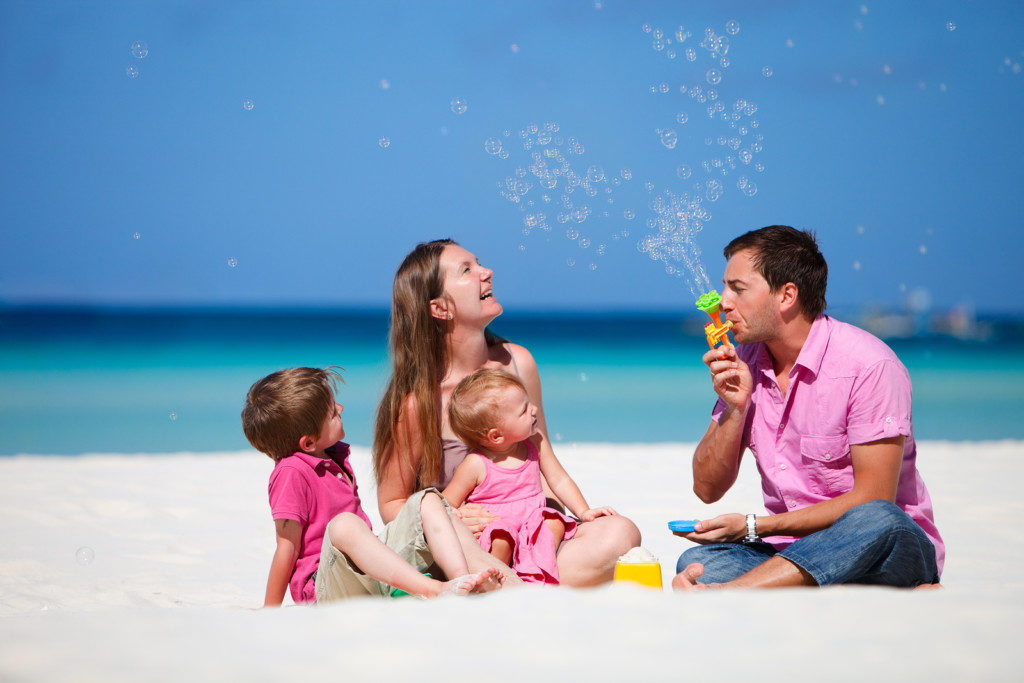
pixel 175 549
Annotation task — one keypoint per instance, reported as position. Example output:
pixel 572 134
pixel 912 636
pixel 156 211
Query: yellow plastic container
pixel 644 573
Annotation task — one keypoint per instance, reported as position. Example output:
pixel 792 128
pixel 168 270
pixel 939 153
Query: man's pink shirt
pixel 847 387
pixel 312 491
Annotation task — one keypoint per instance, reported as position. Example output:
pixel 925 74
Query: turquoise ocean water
pixel 79 381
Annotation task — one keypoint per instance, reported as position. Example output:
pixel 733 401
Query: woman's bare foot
pixel 482 582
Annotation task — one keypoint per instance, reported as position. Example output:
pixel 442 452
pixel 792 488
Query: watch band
pixel 751 536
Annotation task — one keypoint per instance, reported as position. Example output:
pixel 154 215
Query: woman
pixel 442 303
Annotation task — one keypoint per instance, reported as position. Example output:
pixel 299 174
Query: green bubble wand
pixel 716 331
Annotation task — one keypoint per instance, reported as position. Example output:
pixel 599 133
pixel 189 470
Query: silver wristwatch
pixel 751 536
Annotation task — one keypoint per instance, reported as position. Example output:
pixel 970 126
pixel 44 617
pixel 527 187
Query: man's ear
pixel 439 308
pixel 307 444
pixel 789 299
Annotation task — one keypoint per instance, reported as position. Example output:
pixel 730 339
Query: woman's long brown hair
pixel 419 361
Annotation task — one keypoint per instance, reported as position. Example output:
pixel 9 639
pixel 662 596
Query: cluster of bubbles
pixel 732 142
pixel 85 555
pixel 674 223
pixel 712 45
pixel 557 191
pixel 138 50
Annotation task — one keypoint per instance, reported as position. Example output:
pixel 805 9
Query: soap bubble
pixel 751 189
pixel 767 72
pixel 626 174
pixel 458 105
pixel 136 235
pixel 684 171
pixel 856 265
pixel 248 105
pixel 232 262
pixel 583 375
pixel 514 48
pixel 789 42
pixel 669 138
pixel 682 117
pixel 492 146
pixel 522 247
pixel 384 142
pixel 384 84
pixel 646 28
pixel 860 229
pixel 732 27
pixel 595 174
pixel 950 26
pixel 629 214
pixel 132 72
pixel 584 242
pixel 663 87
pixel 713 191
pixel 886 69
pixel 503 154
pixel 691 54
pixel 139 49
pixel 570 262
pixel 85 555
pixel 173 415
pixel 923 249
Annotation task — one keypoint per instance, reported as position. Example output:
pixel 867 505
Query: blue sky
pixel 896 139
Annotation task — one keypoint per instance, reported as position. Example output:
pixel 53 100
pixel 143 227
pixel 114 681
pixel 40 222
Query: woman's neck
pixel 467 351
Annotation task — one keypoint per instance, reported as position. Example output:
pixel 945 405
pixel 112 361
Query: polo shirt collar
pixel 814 346
pixel 339 450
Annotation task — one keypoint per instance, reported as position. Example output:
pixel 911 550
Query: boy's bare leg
pixel 350 535
pixel 444 542
pixel 478 558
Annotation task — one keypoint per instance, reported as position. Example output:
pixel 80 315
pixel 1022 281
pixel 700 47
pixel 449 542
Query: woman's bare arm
pixel 398 480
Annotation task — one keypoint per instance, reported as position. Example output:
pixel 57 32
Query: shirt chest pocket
pixel 826 461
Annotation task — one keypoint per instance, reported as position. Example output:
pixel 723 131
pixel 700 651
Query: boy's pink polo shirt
pixel 847 387
pixel 312 491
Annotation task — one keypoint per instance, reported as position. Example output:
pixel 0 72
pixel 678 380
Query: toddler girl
pixel 491 412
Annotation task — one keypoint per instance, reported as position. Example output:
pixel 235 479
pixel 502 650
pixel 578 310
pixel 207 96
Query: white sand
pixel 182 544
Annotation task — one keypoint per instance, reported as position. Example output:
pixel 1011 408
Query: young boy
pixel 325 547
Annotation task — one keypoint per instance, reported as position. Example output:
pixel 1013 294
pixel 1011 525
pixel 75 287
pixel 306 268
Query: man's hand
pixel 730 377
pixel 475 516
pixel 593 513
pixel 721 529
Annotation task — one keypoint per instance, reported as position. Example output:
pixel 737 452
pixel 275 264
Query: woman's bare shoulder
pixel 514 357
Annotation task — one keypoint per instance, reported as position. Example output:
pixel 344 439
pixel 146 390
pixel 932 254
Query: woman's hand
pixel 593 513
pixel 475 516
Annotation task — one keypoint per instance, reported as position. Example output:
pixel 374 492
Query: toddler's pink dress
pixel 516 497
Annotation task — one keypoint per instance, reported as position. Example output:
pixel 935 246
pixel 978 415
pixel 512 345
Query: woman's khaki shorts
pixel 338 578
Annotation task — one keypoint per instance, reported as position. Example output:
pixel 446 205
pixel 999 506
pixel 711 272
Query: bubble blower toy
pixel 716 331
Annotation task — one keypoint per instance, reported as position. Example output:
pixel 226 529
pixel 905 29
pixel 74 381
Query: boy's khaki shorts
pixel 338 578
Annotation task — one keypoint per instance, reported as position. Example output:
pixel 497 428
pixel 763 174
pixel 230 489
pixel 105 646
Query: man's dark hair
pixel 783 254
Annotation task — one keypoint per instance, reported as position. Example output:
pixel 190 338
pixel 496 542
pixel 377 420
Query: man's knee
pixel 882 516
pixel 698 553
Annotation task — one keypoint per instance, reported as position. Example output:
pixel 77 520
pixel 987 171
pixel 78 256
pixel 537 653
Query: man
pixel 824 407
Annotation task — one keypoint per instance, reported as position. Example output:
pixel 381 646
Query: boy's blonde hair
pixel 287 405
pixel 473 408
